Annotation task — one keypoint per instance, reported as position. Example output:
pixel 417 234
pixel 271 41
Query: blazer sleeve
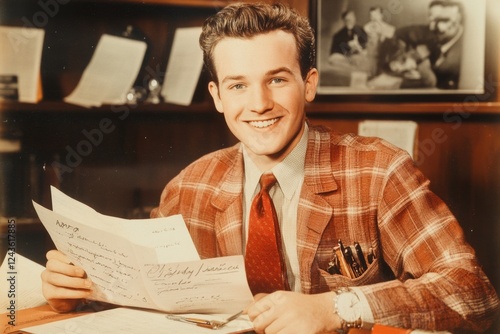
pixel 439 283
pixel 169 199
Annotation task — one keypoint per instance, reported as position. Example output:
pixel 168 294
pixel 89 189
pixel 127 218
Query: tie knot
pixel 267 180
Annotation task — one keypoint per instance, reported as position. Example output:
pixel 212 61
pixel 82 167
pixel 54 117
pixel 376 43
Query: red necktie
pixel 264 264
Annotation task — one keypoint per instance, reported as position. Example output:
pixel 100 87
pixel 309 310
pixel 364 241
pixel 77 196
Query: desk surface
pixel 44 314
pixel 111 320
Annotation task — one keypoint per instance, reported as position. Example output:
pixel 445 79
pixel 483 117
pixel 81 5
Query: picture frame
pixel 395 57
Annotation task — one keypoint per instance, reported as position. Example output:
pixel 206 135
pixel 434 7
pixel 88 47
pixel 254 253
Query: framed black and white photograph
pixel 401 46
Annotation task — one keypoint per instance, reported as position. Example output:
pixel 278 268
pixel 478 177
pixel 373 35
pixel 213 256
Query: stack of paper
pixel 111 72
pixel 184 67
pixel 26 276
pixel 21 56
pixel 149 263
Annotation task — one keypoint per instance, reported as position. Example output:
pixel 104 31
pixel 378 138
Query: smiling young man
pixel 420 273
pixel 262 94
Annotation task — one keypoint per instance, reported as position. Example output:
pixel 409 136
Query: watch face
pixel 348 306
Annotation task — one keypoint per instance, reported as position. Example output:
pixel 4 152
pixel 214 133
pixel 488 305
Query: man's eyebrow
pixel 279 70
pixel 268 73
pixel 232 78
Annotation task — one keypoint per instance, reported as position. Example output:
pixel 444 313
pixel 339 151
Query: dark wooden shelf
pixel 59 106
pixel 404 108
pixel 315 107
pixel 300 5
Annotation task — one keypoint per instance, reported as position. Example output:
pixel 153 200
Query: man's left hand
pixel 291 312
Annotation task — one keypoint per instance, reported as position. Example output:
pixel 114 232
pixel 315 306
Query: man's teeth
pixel 263 124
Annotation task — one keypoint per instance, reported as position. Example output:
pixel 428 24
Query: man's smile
pixel 264 123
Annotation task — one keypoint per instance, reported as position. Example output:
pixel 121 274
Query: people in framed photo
pixel 401 46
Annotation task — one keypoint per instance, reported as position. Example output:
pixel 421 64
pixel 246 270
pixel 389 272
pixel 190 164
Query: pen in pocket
pixel 361 256
pixel 348 262
pixel 351 261
pixel 345 268
pixel 334 265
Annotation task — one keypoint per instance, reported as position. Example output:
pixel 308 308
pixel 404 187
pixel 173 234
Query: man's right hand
pixel 64 285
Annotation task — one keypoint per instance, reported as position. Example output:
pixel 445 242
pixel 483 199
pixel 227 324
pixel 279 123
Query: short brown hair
pixel 245 20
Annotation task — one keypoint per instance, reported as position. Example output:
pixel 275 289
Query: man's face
pixel 350 20
pixel 445 21
pixel 261 93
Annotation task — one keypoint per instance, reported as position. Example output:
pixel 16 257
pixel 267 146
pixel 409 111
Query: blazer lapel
pixel 315 210
pixel 227 200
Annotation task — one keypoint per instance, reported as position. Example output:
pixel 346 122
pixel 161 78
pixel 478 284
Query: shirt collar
pixel 289 172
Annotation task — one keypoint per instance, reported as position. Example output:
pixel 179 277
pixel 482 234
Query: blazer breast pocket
pixel 371 275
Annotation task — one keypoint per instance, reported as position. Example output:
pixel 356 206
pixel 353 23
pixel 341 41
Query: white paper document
pixel 399 133
pixel 184 67
pixel 145 263
pixel 21 55
pixel 131 321
pixel 111 72
pixel 25 275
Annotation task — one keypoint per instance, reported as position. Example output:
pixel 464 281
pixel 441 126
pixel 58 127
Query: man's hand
pixel 63 284
pixel 290 312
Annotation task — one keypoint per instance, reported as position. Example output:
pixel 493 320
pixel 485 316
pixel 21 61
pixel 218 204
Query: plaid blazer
pixel 355 189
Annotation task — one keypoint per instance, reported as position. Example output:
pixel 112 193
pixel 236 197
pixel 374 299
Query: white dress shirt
pixel 285 194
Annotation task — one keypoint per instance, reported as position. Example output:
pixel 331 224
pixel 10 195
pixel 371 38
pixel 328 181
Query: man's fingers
pixel 258 307
pixel 259 296
pixel 57 255
pixel 62 280
pixel 52 292
pixel 62 267
pixel 58 262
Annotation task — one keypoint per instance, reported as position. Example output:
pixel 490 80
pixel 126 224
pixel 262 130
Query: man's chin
pixel 264 150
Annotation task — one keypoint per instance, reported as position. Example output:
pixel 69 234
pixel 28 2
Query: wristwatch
pixel 347 306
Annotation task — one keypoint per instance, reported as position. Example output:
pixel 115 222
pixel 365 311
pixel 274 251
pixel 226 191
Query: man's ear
pixel 311 84
pixel 214 91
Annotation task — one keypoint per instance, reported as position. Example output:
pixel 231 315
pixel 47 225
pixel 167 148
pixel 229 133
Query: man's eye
pixel 277 80
pixel 237 86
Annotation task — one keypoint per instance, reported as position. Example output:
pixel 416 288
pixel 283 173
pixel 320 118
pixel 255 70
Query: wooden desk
pixel 380 329
pixel 35 316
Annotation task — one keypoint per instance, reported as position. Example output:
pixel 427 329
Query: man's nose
pixel 261 99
